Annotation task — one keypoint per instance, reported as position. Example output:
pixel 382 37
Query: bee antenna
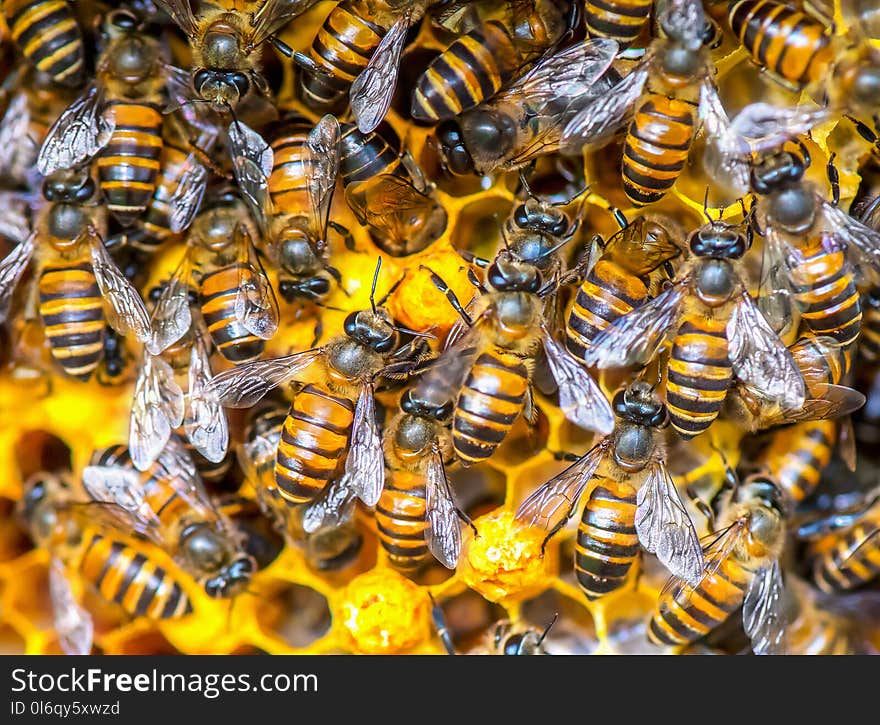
pixel 525 184
pixel 548 628
pixel 706 206
pixel 373 286
pixel 415 333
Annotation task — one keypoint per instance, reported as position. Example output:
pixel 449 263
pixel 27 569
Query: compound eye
pixel 86 191
pixel 123 20
pixel 619 403
pixel 496 277
pixel 521 216
pixel 351 324
pixel 201 78
pixel 559 227
pixel 319 286
pixel 241 83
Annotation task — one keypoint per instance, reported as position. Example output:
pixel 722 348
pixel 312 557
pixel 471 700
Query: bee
pixel 167 505
pixel 797 456
pixel 388 193
pixel 80 547
pixel 616 284
pixel 719 333
pixel 416 513
pixel 262 542
pixel 869 347
pixel 816 629
pixel 487 370
pixel 742 570
pixel 620 20
pixel 668 93
pixel 47 34
pixel 633 500
pixel 334 418
pixel 526 118
pixel 535 232
pixel 78 277
pixel 114 368
pixel 226 45
pixel 289 186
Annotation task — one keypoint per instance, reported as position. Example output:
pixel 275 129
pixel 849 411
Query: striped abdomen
pixel 313 443
pixel 869 346
pixel 128 166
pixel 217 291
pixel 657 147
pixel 287 183
pixel 47 34
pixel 608 293
pixel 698 374
pixel 343 47
pixel 607 546
pixel 782 40
pixel 489 402
pixel 826 293
pixel 400 520
pixel 72 312
pixel 471 70
pixel 852 560
pixel 797 456
pixel 620 20
pixel 122 574
pixel 365 156
pixel 820 364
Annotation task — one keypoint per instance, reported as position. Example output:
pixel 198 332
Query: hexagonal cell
pixel 150 642
pixel 468 616
pixel 573 632
pixel 38 450
pixel 478 229
pixel 13 540
pixel 479 489
pixel 295 613
pixel 11 642
pixel 628 615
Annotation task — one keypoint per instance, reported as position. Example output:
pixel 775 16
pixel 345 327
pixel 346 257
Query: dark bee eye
pixel 201 78
pixel 559 227
pixel 86 191
pixel 619 402
pixel 350 325
pixel 241 82
pixel 521 216
pixel 123 20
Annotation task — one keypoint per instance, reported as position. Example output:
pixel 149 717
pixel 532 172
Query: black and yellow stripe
pixel 797 456
pixel 657 146
pixel 288 184
pixel 313 443
pixel 698 374
pixel 128 166
pixel 607 545
pixel 217 292
pixel 363 157
pixel 488 404
pixel 821 365
pixel 72 313
pixel 47 34
pixel 783 40
pixel 620 20
pixel 400 521
pixel 852 559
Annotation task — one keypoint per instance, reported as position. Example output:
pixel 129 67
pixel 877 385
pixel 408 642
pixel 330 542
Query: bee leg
pixel 300 59
pixel 347 237
pixel 474 259
pixel 205 158
pixel 833 179
pixel 441 285
pixel 530 410
pixel 319 330
pixel 472 278
pixel 701 506
pixel 440 625
pixel 584 263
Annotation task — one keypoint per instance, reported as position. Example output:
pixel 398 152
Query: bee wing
pixel 14 130
pixel 245 385
pixel 727 154
pixel 635 337
pixel 14 216
pixel 555 501
pixel 664 527
pixel 171 318
pixel 205 421
pixel 373 89
pixel 443 534
pixel 444 378
pixel 127 311
pixel 273 15
pixel 187 197
pixel 120 486
pixel 78 134
pixel 365 464
pixel 860 239
pixel 766 126
pixel 157 408
pixel 255 305
pixel 176 465
pixel 73 624
pixel 605 115
pixel 869 215
pixel 323 146
pixel 683 20
pixel 764 618
pixel 331 509
pixel 181 13
pixel 825 402
pixel 760 359
pixel 12 266
pixel 581 399
pixel 252 161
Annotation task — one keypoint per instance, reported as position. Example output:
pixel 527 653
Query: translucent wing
pixel 12 267
pixel 863 241
pixel 176 465
pixel 172 317
pixel 187 197
pixel 14 216
pixel 766 126
pixel 553 503
pixel 323 146
pixel 121 486
pixel 443 534
pixel 255 305
pixel 245 385
pixel 760 359
pixel 14 130
pixel 78 134
pixel 664 527
pixel 365 464
pixel 181 13
pixel 635 337
pixel 580 398
pixel 824 402
pixel 273 15
pixel 331 509
pixel 205 421
pixel 73 624
pixel 252 161
pixel 157 408
pixel 763 611
pixel 605 115
pixel 727 155
pixel 442 381
pixel 127 311
pixel 373 89
pixel 683 20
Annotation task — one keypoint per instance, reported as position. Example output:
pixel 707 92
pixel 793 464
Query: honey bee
pixel 620 20
pixel 48 35
pixel 289 186
pixel 815 627
pixel 616 284
pixel 115 366
pixel 167 505
pixel 503 638
pixel 633 500
pixel 741 570
pixel 869 347
pixel 80 288
pixel 226 45
pixel 388 193
pixel 526 118
pixel 118 569
pixel 719 333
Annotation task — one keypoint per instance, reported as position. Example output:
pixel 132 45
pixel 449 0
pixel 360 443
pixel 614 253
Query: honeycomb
pixel 292 606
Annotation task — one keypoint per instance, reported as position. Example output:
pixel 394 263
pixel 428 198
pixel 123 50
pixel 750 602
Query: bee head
pixel 372 328
pixel 77 187
pixel 542 218
pixel 775 171
pixel 508 274
pixel 232 579
pixel 453 149
pixel 223 89
pixel 414 405
pixel 718 241
pixel 639 404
